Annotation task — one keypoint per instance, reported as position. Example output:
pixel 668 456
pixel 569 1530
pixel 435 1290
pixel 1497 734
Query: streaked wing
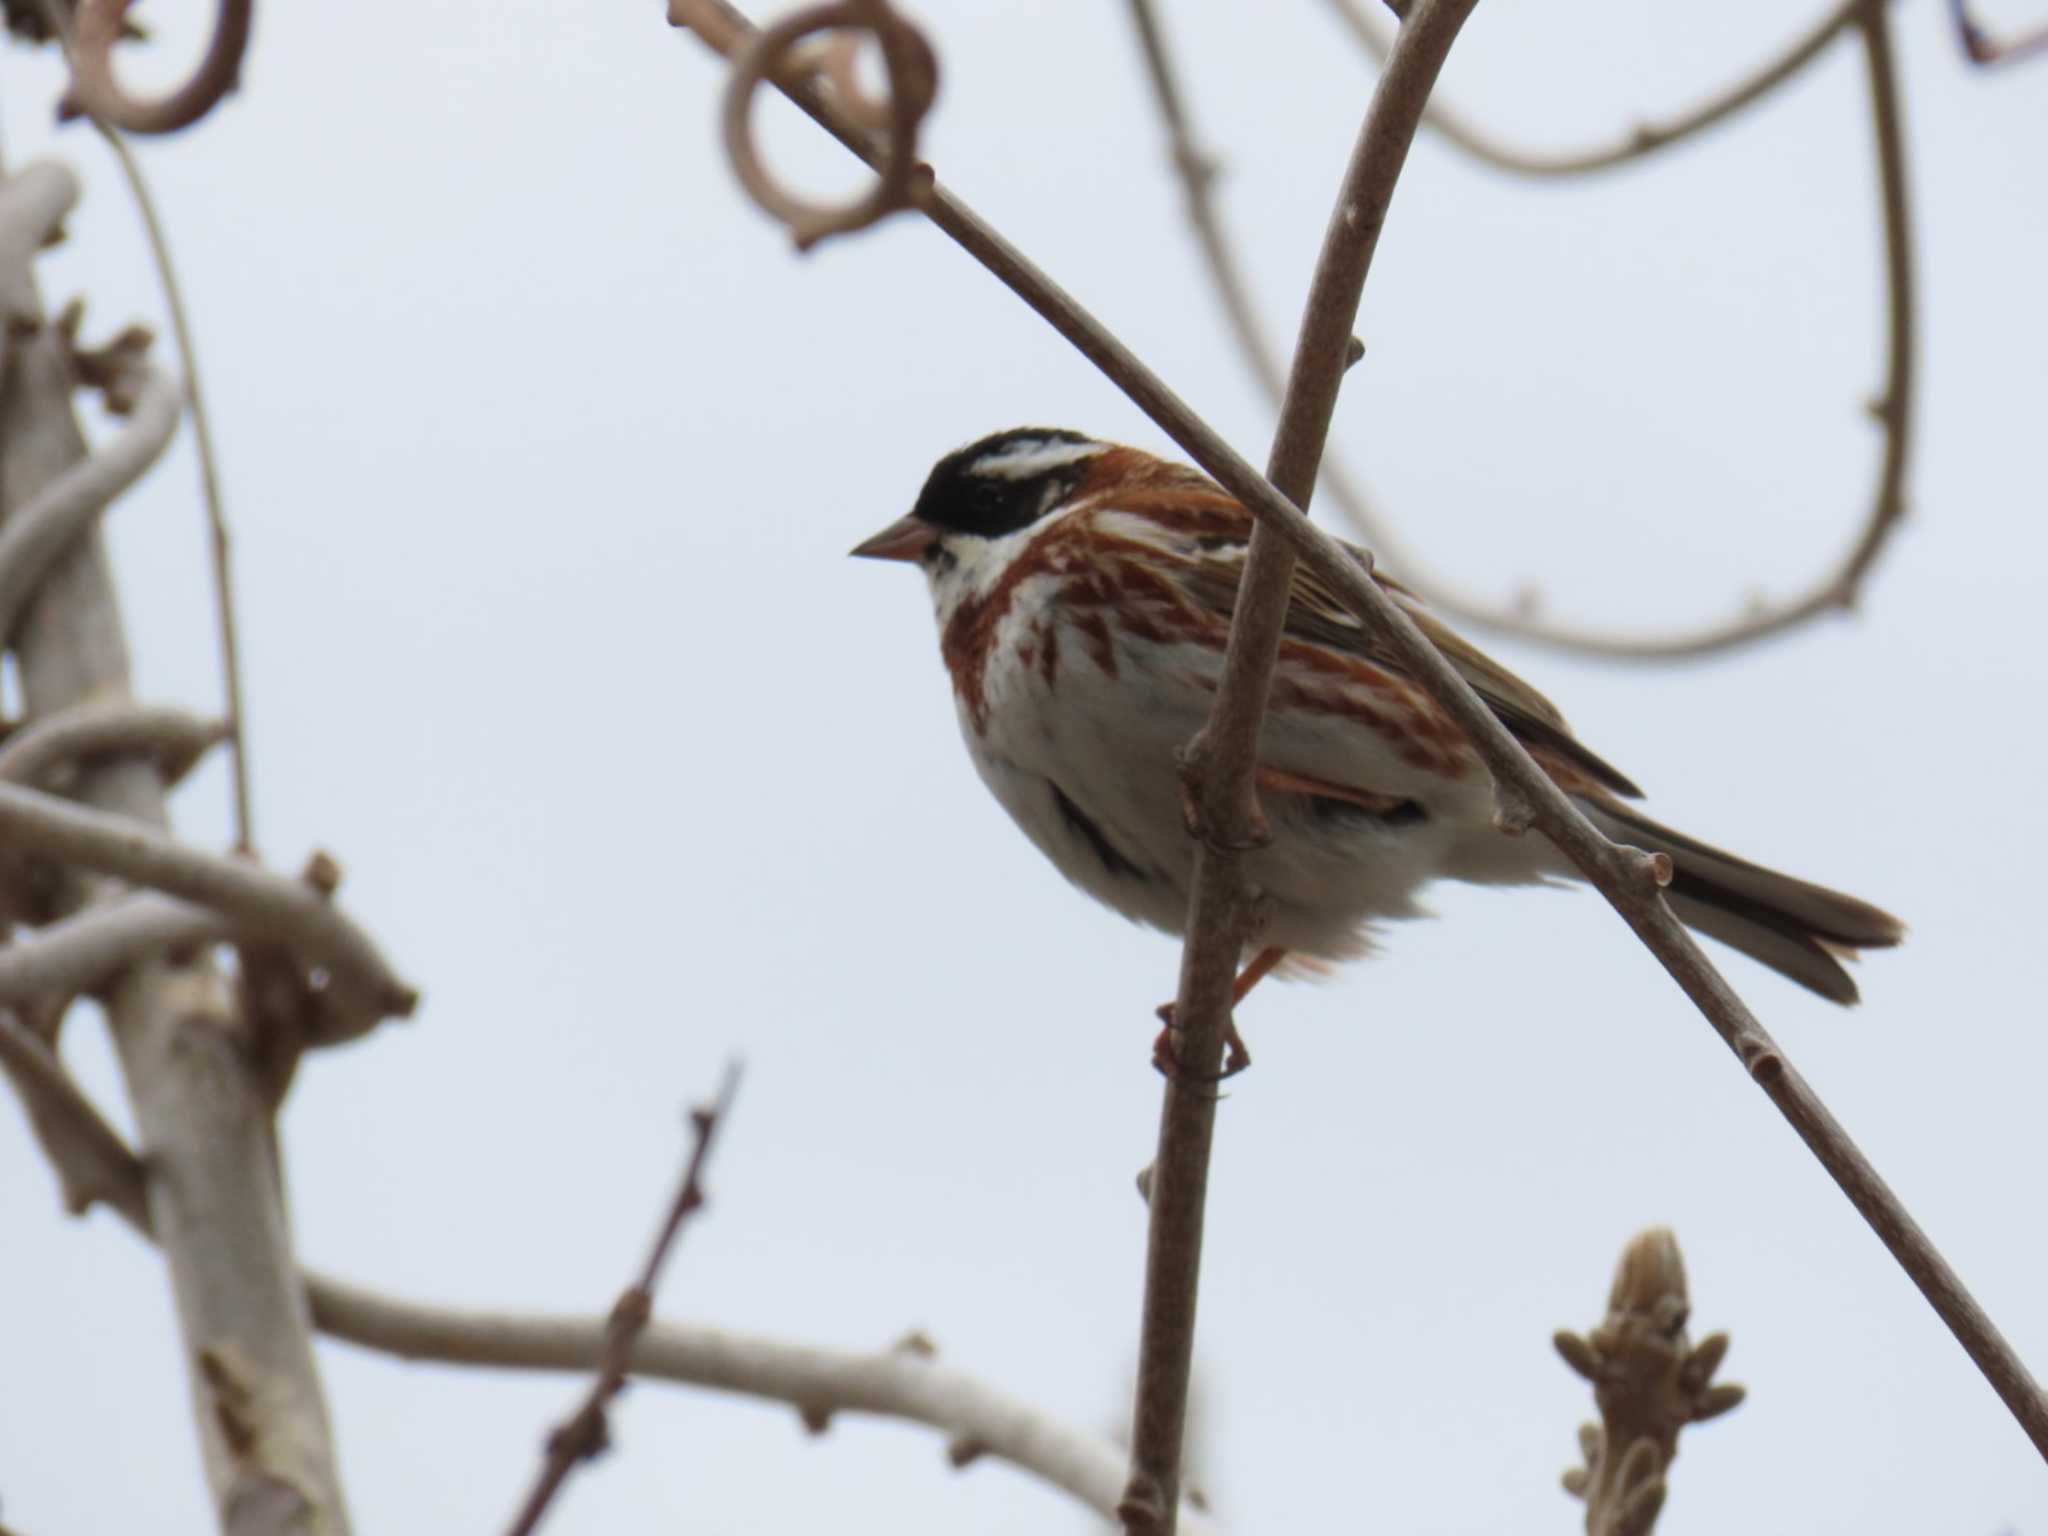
pixel 1209 572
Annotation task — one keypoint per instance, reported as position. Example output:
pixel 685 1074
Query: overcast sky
pixel 544 451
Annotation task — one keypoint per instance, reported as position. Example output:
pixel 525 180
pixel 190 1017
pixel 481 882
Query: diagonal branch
pixel 92 1163
pixel 585 1435
pixel 267 905
pixel 1625 878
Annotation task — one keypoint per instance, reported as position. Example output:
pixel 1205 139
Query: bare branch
pixel 1836 591
pixel 907 1384
pixel 174 738
pixel 40 532
pixel 584 1435
pixel 219 542
pixel 96 25
pixel 1649 1381
pixel 261 903
pixel 203 1122
pixel 92 1163
pixel 82 953
pixel 1644 138
pixel 1982 48
pixel 1620 875
pixel 1220 762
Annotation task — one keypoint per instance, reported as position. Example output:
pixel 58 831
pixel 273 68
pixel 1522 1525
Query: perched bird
pixel 1084 593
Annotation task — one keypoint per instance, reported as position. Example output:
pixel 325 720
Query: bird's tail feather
pixel 1800 930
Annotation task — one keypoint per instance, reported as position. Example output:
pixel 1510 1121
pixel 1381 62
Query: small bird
pixel 1084 592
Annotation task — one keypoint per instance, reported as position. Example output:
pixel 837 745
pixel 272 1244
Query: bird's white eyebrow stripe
pixel 1024 461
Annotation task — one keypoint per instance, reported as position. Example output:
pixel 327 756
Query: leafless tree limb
pixel 202 1116
pixel 1624 877
pixel 36 535
pixel 260 902
pixel 85 951
pixel 1644 138
pixel 906 1382
pixel 1219 764
pixel 1649 1380
pixel 1837 590
pixel 91 1161
pixel 900 1383
pixel 174 738
pixel 585 1435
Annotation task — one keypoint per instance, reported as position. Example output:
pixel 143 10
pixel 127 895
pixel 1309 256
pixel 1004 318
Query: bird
pixel 1084 591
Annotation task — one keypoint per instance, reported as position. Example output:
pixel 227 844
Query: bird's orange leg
pixel 1235 1055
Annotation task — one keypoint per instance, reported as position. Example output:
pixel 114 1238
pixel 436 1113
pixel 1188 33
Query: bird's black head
pixel 1005 482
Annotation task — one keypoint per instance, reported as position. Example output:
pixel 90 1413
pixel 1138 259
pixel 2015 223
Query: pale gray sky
pixel 544 452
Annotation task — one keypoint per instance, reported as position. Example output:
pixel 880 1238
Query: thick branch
pixel 52 521
pixel 261 903
pixel 1624 877
pixel 903 1383
pixel 83 952
pixel 202 1116
pixel 173 738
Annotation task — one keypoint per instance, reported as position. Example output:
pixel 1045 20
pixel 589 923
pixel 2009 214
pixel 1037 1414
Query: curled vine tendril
pixel 96 25
pixel 913 75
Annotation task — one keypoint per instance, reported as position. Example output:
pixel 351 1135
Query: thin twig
pixel 1644 138
pixel 218 538
pixel 1835 591
pixel 264 904
pixel 1220 761
pixel 1624 877
pixel 583 1436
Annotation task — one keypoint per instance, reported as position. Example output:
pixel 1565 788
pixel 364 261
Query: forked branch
pixel 1626 878
pixel 1837 589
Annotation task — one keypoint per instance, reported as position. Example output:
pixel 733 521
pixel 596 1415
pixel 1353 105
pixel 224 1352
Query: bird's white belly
pixel 1084 760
